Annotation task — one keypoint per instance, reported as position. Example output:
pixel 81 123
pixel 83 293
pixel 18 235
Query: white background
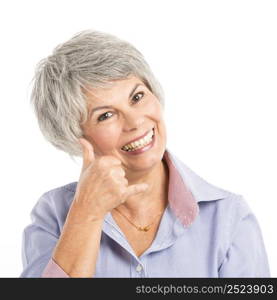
pixel 217 63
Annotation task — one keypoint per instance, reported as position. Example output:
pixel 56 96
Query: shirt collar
pixel 186 189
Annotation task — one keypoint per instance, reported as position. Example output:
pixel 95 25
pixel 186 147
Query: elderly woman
pixel 136 210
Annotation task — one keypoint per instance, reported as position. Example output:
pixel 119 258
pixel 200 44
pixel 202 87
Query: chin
pixel 145 162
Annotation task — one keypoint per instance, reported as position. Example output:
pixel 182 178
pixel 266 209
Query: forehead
pixel 110 94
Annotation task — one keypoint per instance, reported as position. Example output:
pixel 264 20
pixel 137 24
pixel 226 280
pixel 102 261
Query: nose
pixel 132 121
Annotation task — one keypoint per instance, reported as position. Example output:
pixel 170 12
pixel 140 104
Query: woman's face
pixel 122 113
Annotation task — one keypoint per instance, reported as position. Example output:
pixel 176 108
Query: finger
pixel 117 172
pixel 118 176
pixel 135 189
pixel 88 152
pixel 109 161
pixel 122 183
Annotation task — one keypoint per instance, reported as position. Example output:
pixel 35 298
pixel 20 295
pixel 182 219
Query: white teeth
pixel 140 143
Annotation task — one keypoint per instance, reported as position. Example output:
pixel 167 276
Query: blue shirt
pixel 205 231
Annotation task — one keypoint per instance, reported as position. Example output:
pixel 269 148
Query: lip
pixel 137 138
pixel 142 150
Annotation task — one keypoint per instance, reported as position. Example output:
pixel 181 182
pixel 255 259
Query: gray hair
pixel 89 59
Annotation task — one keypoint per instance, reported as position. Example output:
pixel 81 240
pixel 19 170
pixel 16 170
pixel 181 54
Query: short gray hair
pixel 89 59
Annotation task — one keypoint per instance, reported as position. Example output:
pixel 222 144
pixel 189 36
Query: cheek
pixel 106 139
pixel 157 114
pixel 154 110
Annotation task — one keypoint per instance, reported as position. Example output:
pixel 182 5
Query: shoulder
pixel 216 205
pixel 70 187
pixel 227 214
pixel 232 204
pixel 60 194
pixel 206 193
pixel 52 206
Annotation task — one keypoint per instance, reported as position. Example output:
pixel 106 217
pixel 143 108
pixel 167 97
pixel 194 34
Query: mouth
pixel 139 143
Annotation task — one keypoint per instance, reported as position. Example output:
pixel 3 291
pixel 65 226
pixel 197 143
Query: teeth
pixel 140 143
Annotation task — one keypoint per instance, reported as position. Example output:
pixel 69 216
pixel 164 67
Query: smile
pixel 140 143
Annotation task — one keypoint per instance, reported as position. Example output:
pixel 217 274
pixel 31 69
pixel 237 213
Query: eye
pixel 137 97
pixel 104 116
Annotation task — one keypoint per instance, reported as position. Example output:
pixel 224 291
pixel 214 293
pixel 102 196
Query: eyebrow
pixel 108 106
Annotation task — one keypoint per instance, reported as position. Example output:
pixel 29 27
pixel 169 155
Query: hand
pixel 102 185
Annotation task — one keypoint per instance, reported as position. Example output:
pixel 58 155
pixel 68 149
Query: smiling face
pixel 122 113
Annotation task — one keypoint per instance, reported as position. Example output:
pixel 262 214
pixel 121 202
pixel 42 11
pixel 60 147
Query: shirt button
pixel 139 268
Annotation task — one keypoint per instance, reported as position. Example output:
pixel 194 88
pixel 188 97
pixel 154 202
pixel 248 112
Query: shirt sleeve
pixel 39 241
pixel 53 270
pixel 246 255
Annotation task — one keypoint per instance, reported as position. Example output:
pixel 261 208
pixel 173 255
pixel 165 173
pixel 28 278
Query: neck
pixel 144 206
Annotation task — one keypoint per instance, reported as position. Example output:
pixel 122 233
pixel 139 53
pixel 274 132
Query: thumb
pixel 88 152
pixel 135 189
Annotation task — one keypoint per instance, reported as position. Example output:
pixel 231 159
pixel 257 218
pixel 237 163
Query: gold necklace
pixel 139 228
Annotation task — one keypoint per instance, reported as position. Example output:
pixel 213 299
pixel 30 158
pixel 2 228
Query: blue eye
pixel 103 116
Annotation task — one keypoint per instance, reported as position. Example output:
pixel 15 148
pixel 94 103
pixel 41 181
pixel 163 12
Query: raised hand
pixel 102 185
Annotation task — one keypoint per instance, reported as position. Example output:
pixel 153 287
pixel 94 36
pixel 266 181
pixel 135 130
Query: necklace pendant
pixel 143 228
